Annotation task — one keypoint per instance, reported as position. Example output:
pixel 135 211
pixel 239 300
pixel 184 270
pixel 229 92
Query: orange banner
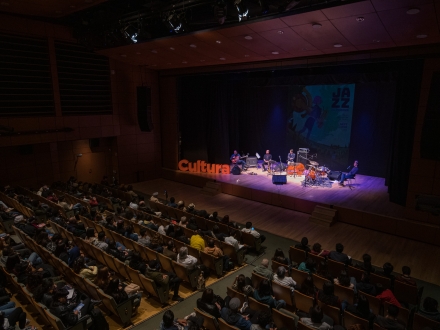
pixel 202 167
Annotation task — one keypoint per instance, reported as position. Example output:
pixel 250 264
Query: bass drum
pixel 300 168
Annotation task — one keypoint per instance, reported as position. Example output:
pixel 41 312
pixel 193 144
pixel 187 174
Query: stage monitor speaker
pixel 252 161
pixel 279 179
pixel 334 175
pixel 236 170
pixel 430 142
pixel 144 108
pixel 94 143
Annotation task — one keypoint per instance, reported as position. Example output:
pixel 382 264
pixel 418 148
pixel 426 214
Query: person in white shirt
pixel 250 230
pixel 134 204
pixel 281 278
pixel 232 240
pixel 185 259
pixel 154 198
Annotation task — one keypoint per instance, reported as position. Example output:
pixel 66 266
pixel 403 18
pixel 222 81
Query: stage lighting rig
pixel 176 22
pixel 242 10
pixel 264 4
pixel 130 32
pixel 221 11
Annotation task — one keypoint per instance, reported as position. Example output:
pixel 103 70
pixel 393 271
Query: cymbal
pixel 313 163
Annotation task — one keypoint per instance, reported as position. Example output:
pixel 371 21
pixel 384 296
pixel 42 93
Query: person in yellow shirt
pixel 197 241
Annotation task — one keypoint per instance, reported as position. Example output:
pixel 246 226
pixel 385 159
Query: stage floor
pixel 369 193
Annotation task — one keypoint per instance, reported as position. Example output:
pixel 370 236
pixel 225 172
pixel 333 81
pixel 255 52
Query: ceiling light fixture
pixel 422 36
pixel 280 32
pixel 275 53
pixel 221 11
pixel 316 26
pixel 154 51
pixel 413 11
pixel 246 55
pixel 248 37
pixel 218 41
pixel 172 48
pixel 222 59
pixel 360 19
pixel 138 53
pixel 193 46
pixel 184 62
pixel 337 45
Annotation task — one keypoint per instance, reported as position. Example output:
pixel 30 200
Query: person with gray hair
pixel 281 278
pixel 183 222
pixel 187 260
pixel 263 269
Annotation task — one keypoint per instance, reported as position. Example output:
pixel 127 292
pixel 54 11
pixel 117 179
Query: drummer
pixel 290 157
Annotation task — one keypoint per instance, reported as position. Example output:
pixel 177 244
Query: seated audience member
pixel 80 268
pixel 344 280
pixel 100 242
pixel 162 229
pixel 8 321
pixel 390 321
pixel 362 310
pixel 243 285
pixel 430 309
pixel 185 259
pixel 154 272
pixel 143 238
pixel 102 278
pixel 64 309
pixel 137 263
pixel 215 251
pixel 279 257
pixel 183 221
pixel 129 233
pixel 264 321
pixel 90 235
pixel 172 203
pixel 116 290
pixel 231 316
pixel 281 278
pixel 170 251
pixel 233 240
pixel 117 252
pixel 134 204
pixel 192 224
pixel 405 277
pixel 154 198
pixel 366 265
pixel 308 266
pixel 188 323
pixel 317 250
pixel 339 256
pixel 179 235
pixel 197 241
pixel 250 230
pixel 263 269
pixel 218 234
pixel 365 286
pixel 308 287
pixel 315 320
pixel 214 217
pixel 387 272
pixel 386 295
pixel 263 295
pixel 210 303
pixel 327 295
pixel 303 245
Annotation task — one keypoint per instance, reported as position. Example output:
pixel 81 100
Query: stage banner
pixel 321 119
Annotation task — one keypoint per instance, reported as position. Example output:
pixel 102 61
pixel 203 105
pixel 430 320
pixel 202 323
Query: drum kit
pixel 316 175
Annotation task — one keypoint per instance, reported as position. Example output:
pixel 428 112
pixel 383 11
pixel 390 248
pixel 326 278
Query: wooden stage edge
pixel 362 217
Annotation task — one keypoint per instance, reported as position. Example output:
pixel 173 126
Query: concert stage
pixel 366 205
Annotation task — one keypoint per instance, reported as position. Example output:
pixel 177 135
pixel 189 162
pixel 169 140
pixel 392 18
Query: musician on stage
pixel 236 159
pixel 349 175
pixel 266 160
pixel 291 156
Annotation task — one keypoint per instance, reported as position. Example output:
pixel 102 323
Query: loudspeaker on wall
pixel 145 121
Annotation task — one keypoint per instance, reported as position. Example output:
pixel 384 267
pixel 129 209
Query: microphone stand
pixel 281 165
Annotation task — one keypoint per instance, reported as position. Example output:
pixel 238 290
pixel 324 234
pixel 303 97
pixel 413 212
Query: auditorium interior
pixel 147 99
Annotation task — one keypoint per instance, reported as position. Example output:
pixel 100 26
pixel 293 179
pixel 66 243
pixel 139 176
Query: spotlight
pixel 220 11
pixel 176 22
pixel 264 6
pixel 130 32
pixel 242 10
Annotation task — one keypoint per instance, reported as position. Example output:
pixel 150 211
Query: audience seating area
pixel 296 303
